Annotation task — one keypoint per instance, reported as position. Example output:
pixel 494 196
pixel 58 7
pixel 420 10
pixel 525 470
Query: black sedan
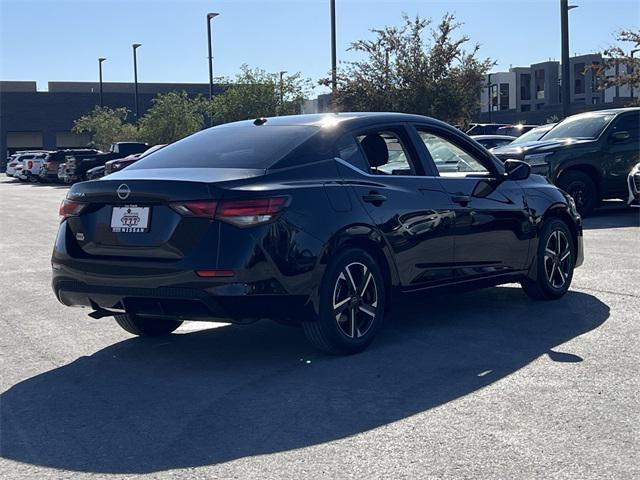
pixel 315 219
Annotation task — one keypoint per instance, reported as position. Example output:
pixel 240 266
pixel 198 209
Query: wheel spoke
pixel 351 281
pixel 552 274
pixel 340 307
pixel 565 255
pixel 366 284
pixel 562 276
pixel 354 327
pixel 368 310
pixel 549 252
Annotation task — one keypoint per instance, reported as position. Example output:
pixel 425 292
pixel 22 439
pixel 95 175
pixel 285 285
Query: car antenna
pixel 260 121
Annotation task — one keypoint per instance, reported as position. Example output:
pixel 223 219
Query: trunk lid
pixel 145 196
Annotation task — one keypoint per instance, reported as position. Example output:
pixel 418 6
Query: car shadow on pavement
pixel 613 215
pixel 211 396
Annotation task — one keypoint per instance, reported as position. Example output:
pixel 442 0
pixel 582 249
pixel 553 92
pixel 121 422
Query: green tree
pixel 617 58
pixel 173 116
pixel 256 93
pixel 106 125
pixel 401 71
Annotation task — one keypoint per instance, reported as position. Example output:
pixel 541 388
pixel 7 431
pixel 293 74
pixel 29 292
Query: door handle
pixel 461 199
pixel 374 198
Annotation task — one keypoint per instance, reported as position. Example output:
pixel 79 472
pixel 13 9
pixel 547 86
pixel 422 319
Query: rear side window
pixel 246 146
pixel 349 151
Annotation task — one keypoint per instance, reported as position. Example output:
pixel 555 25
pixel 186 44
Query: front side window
pixel 629 123
pixel 449 159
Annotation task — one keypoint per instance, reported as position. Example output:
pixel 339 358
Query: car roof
pixel 345 120
pixel 614 111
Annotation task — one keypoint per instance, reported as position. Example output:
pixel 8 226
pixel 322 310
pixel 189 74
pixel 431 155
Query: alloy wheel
pixel 557 259
pixel 355 300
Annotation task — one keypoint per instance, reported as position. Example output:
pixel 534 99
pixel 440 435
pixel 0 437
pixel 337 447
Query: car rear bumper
pixel 231 302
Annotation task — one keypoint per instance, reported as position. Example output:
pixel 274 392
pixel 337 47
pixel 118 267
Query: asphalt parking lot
pixel 485 384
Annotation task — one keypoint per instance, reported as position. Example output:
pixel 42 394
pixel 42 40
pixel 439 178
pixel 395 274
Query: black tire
pixel 360 310
pixel 582 189
pixel 553 274
pixel 147 326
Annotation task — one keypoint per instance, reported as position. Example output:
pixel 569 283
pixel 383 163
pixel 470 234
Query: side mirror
pixel 619 137
pixel 517 170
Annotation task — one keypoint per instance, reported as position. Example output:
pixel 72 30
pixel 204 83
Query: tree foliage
pixel 106 125
pixel 401 71
pixel 256 93
pixel 628 66
pixel 173 116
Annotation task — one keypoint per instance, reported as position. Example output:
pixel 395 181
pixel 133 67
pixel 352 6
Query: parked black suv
pixel 588 155
pixel 77 168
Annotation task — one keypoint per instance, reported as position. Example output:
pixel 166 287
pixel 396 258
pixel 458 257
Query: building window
pixel 539 78
pixel 525 108
pixel 71 140
pixel 504 96
pixel 578 78
pixel 494 98
pixel 525 86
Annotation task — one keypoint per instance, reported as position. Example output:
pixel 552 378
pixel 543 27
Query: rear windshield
pixel 246 146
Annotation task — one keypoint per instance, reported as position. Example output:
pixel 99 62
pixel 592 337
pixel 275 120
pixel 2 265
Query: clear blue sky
pixel 47 40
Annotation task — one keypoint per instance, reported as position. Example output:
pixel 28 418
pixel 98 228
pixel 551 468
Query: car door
pixel 411 211
pixel 621 154
pixel 492 223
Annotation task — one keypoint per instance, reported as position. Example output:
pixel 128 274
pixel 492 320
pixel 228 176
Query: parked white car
pixel 31 167
pixel 16 160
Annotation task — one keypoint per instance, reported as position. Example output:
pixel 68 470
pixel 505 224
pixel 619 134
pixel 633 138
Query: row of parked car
pixel 593 156
pixel 74 165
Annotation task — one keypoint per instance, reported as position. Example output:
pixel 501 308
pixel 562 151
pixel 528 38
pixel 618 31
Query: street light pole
pixel 334 72
pixel 489 105
pixel 100 60
pixel 633 52
pixel 564 32
pixel 135 77
pixel 210 16
pixel 282 91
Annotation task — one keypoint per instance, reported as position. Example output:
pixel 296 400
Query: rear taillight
pixel 69 208
pixel 29 165
pixel 203 208
pixel 243 213
pixel 13 164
